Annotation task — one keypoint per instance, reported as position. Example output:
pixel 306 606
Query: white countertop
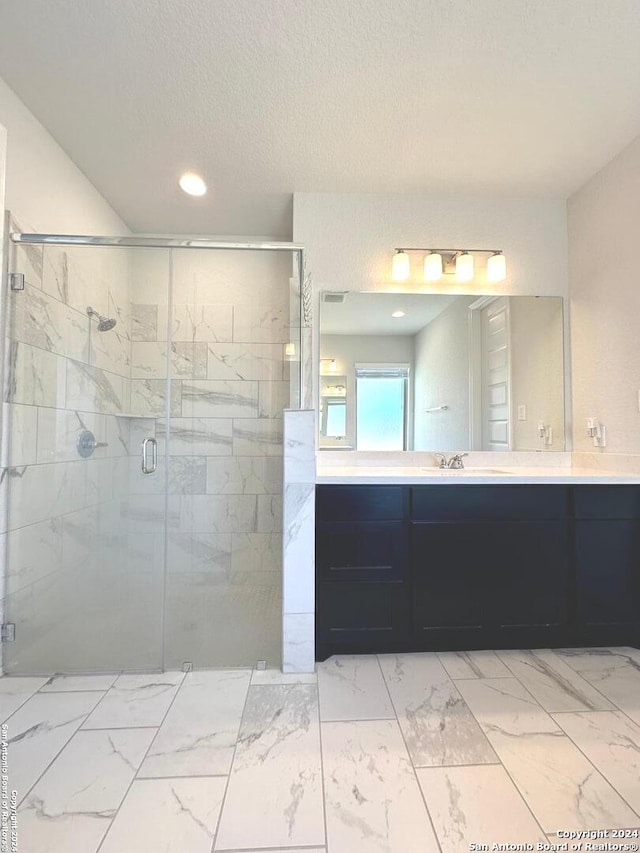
pixel 397 475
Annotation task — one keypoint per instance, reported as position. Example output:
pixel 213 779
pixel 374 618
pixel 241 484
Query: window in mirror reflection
pixel 381 407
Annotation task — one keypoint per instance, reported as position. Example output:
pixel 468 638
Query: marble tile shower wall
pixel 63 526
pixel 229 321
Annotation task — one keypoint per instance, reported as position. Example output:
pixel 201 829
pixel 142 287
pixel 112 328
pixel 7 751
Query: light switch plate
pixel 522 410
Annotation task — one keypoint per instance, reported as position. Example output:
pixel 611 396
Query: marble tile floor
pixel 373 754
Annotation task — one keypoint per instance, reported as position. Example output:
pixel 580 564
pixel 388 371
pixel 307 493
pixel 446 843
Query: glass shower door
pixel 86 529
pixel 231 321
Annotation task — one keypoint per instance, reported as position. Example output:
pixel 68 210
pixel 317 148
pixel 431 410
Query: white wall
pixel 604 223
pixel 442 379
pixel 46 192
pixel 350 239
pixel 536 371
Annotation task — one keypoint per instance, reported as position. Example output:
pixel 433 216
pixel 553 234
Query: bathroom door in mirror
pixel 464 372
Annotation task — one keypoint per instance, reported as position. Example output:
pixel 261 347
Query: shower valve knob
pixel 86 443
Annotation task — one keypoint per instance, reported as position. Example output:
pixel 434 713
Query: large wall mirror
pixel 441 372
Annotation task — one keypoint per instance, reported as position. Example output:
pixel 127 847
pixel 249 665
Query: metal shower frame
pixel 297 249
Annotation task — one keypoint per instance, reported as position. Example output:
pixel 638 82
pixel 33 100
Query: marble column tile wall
pixel 298 561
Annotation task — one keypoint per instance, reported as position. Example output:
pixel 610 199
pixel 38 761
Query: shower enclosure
pixel 146 383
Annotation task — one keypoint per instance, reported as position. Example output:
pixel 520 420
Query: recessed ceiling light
pixel 398 313
pixel 192 184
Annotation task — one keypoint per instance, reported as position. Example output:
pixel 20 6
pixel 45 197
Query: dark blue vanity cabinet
pixel 607 546
pixel 487 561
pixel 419 568
pixel 362 569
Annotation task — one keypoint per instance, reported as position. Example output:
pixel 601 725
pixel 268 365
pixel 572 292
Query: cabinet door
pixel 489 574
pixel 608 570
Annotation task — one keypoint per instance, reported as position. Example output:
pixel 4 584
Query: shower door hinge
pixel 16 280
pixel 8 632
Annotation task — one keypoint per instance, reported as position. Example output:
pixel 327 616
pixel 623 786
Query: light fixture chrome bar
pixel 153 242
pixel 445 251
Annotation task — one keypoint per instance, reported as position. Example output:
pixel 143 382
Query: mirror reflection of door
pixel 495 376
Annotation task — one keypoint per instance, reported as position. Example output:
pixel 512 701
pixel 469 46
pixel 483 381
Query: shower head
pixel 104 323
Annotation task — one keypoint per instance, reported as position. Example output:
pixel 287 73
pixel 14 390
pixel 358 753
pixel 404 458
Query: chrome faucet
pixel 441 460
pixel 455 462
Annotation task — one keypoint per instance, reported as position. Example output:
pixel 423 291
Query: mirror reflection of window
pixel 381 407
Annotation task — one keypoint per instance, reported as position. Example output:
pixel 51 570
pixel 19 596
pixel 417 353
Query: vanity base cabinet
pixel 489 580
pixel 429 568
pixel 362 589
pixel 607 541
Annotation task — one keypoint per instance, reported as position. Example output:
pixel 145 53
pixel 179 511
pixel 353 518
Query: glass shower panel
pixel 232 345
pixel 85 577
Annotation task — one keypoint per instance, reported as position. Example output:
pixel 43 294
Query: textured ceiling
pixel 266 97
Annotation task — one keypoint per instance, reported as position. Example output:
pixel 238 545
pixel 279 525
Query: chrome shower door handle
pixel 146 443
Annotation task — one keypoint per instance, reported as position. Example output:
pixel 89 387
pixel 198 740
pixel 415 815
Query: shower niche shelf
pixel 134 415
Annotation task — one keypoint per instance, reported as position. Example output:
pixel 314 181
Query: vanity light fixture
pixel 192 184
pixel 433 267
pixel 464 267
pixel 398 314
pixel 496 267
pixel 458 262
pixel 400 266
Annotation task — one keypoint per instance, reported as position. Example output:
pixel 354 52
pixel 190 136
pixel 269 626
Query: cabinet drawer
pixel 490 503
pixel 607 502
pixel 365 551
pixel 360 503
pixel 360 618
